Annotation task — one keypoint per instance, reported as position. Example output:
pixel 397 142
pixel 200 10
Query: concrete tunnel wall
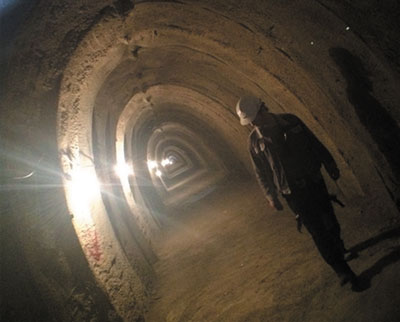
pixel 76 93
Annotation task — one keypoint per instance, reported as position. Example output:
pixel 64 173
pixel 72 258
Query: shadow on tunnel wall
pixel 372 115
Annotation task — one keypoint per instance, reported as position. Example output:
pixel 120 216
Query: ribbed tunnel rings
pixel 156 100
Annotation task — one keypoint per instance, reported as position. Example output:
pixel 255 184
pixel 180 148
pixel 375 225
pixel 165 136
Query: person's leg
pixel 333 229
pixel 311 203
pixel 331 251
pixel 324 204
pixel 323 240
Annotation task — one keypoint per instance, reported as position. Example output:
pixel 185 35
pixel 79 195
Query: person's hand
pixel 275 204
pixel 334 173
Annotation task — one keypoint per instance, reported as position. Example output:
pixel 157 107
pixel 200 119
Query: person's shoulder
pixel 290 118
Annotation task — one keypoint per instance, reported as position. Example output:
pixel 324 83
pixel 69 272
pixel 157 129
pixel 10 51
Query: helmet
pixel 247 108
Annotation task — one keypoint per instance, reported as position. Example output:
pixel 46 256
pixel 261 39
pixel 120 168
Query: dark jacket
pixel 286 152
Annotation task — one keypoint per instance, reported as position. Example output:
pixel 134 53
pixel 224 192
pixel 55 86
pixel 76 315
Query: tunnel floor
pixel 230 258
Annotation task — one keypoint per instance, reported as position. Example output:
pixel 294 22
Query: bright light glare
pixel 84 185
pixel 166 162
pixel 123 170
pixel 152 164
pixel 158 173
pixel 83 192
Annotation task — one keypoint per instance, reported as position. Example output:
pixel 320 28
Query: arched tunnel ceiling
pixel 157 52
pixel 137 82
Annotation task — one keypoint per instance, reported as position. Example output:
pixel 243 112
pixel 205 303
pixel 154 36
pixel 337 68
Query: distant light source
pixel 158 173
pixel 152 164
pixel 123 170
pixel 166 162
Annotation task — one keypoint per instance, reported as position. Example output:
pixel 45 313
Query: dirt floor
pixel 231 258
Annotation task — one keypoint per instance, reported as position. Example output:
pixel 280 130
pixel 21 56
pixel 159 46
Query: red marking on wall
pixel 92 243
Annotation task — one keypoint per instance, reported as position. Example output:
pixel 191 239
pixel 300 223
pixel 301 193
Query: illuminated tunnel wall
pixel 152 89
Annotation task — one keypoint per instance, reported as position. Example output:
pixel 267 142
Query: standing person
pixel 287 160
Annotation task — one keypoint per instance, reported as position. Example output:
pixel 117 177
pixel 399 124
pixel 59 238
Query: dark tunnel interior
pixel 127 188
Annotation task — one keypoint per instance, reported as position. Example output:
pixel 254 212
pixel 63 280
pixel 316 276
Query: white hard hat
pixel 247 108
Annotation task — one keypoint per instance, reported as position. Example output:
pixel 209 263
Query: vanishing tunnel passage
pixel 133 104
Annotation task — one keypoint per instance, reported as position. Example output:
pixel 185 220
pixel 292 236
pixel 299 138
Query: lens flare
pixel 166 162
pixel 152 164
pixel 83 188
pixel 84 183
pixel 123 170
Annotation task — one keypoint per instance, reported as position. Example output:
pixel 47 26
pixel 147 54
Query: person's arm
pixel 264 177
pixel 322 152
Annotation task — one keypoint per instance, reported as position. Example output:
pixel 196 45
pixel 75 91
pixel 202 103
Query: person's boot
pixel 346 275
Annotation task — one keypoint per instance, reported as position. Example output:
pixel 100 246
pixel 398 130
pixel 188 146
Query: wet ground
pixel 231 258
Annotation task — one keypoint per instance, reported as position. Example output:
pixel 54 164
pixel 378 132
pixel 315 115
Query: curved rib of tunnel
pixel 156 173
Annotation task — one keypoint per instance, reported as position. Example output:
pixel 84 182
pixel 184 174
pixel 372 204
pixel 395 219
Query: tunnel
pixel 127 189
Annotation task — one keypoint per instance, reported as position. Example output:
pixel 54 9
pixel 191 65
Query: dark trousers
pixel 310 200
